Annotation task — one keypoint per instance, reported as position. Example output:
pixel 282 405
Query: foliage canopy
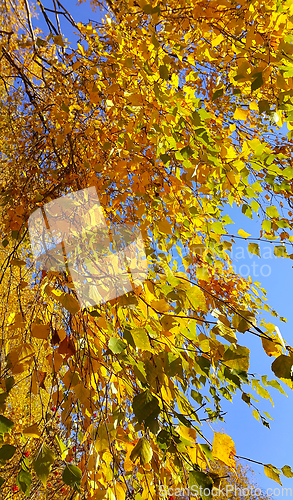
pixel 170 110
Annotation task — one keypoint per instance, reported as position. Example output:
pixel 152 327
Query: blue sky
pixel 251 438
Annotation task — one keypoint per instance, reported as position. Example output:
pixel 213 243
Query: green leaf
pixel 163 439
pixel 6 452
pixel 62 447
pixel 202 365
pixel 145 405
pixel 186 152
pixel 9 383
pixel 243 321
pixel 72 476
pixel 271 472
pixel 5 424
pixel 207 450
pixel 64 107
pixel 164 73
pixel 41 43
pixel 237 357
pixel 195 118
pixel 263 106
pixel 143 451
pixel 201 484
pixel 24 481
pixel 282 366
pixel 287 471
pixel 69 302
pixel 257 83
pixel 43 462
pixel 148 9
pixel 2 481
pixel 165 158
pixel 128 337
pixel 58 40
pixel 246 398
pixel 116 345
pixel 254 249
pixel 218 93
pixel 95 314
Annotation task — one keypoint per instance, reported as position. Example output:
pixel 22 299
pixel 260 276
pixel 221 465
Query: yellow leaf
pixel 243 233
pixel 135 99
pixel 254 106
pixel 271 348
pixel 216 41
pixel 102 438
pixel 17 262
pixel 100 494
pixel 196 298
pixel 187 433
pixel 197 456
pixel 224 449
pixel 240 114
pixel 58 40
pixel 143 451
pixel 67 301
pixel 40 331
pixel 160 305
pixel 249 37
pixel 141 339
pixel 15 321
pixel 32 431
pixel 270 472
pixel 164 226
pixel 202 273
pixel 81 49
pixel 128 464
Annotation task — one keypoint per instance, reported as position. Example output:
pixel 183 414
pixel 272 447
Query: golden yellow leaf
pixel 271 347
pixel 197 456
pixel 15 321
pixel 32 431
pixel 271 472
pixel 216 41
pixel 160 305
pixel 243 233
pixel 164 226
pixel 240 114
pixel 187 433
pixel 224 449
